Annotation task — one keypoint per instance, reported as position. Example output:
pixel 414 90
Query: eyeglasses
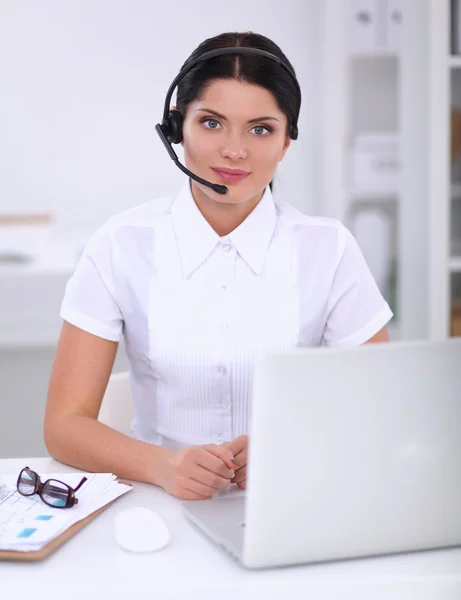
pixel 53 492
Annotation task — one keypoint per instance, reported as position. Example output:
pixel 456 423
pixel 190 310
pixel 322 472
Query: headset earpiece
pixel 294 132
pixel 173 127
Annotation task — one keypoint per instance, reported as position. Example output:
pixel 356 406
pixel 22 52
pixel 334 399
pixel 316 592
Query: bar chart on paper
pixel 25 519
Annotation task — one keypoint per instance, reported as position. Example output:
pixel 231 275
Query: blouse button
pixel 220 437
pixel 227 247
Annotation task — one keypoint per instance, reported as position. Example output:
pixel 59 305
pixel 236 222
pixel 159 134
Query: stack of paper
pixel 27 523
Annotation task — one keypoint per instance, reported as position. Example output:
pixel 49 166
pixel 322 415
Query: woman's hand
pixel 239 449
pixel 197 472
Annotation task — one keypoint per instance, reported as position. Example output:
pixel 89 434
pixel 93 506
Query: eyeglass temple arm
pixel 81 483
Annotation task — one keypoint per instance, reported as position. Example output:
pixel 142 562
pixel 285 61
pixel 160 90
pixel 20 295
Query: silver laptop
pixel 352 453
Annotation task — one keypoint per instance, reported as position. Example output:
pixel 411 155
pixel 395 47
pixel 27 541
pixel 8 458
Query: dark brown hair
pixel 254 69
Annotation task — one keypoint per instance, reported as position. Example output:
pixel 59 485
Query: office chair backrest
pixel 117 407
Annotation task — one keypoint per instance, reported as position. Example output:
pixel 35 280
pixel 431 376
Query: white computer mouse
pixel 140 529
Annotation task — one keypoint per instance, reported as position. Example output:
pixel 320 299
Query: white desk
pixel 91 565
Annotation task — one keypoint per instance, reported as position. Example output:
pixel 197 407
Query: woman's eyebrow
pixel 220 116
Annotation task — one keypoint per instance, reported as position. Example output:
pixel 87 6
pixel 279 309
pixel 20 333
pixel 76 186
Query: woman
pixel 203 284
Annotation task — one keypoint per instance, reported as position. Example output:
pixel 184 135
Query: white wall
pixel 83 84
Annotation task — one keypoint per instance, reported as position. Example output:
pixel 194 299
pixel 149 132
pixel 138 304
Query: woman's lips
pixel 230 175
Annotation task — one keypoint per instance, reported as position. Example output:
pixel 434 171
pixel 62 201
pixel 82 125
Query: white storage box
pixel 375 164
pixel 374 26
pixel 394 24
pixel 365 33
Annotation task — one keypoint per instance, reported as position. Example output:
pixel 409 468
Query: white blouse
pixel 196 310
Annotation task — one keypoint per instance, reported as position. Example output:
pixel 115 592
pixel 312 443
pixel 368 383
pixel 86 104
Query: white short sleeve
pixel 90 299
pixel 356 310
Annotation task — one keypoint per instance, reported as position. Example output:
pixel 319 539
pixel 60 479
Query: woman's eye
pixel 261 130
pixel 211 123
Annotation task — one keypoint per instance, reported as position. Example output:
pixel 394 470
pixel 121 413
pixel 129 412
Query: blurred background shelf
pixel 376 54
pixel 407 88
pixel 371 137
pixel 378 196
pixel 454 61
pixel 455 264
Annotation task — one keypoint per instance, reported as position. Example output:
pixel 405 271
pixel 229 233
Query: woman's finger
pixel 241 458
pixel 209 458
pixel 224 454
pixel 212 480
pixel 240 475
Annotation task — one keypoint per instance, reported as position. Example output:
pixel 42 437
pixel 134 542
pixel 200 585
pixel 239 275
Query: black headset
pixel 170 129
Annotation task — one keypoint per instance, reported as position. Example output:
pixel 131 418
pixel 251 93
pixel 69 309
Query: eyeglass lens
pixel 26 483
pixel 54 493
